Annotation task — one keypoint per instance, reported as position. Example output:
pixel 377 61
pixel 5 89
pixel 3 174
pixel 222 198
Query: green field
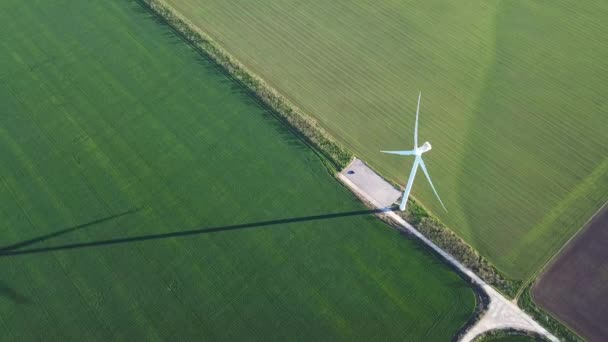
pixel 145 196
pixel 514 101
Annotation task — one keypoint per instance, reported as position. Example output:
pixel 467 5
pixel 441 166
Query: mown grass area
pixel 513 102
pixel 145 196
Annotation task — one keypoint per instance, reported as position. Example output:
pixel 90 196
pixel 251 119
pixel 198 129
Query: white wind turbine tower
pixel 417 151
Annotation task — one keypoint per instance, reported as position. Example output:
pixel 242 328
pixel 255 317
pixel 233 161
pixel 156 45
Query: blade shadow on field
pixel 25 243
pixel 17 249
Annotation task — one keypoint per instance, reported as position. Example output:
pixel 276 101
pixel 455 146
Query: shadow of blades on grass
pixel 17 249
pixel 25 243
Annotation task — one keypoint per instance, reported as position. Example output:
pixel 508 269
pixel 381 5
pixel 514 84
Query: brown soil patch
pixel 575 287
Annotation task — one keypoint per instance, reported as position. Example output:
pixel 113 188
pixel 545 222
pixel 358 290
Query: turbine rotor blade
pixel 410 182
pixel 401 153
pixel 416 127
pixel 428 177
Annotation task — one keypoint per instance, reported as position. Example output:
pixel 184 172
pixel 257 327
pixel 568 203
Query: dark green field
pixel 144 196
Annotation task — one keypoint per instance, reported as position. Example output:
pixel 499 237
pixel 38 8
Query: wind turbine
pixel 418 162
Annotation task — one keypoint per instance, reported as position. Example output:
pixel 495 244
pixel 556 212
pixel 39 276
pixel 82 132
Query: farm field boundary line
pixel 334 155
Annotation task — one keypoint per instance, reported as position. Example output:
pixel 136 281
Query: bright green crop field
pixel 514 101
pixel 145 196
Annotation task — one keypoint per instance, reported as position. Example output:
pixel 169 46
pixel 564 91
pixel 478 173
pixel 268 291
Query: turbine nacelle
pixel 424 148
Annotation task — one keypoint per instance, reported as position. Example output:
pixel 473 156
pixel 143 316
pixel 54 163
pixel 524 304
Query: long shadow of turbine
pixel 17 249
